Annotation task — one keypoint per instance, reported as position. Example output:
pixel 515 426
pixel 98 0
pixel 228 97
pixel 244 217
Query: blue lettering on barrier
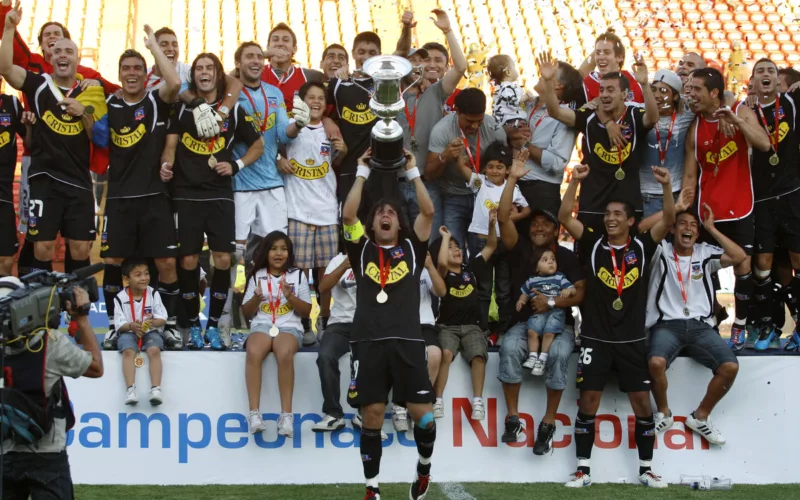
pixel 144 428
pixel 183 434
pixel 223 429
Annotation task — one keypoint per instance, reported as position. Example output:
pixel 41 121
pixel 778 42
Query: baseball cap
pixel 421 52
pixel 546 214
pixel 670 78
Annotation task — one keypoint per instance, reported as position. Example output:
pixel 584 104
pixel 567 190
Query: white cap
pixel 669 78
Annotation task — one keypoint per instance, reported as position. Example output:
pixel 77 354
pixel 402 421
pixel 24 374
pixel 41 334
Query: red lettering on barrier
pixel 617 434
pixel 687 436
pixel 631 432
pixel 567 439
pixel 8 376
pixel 465 405
pixel 528 429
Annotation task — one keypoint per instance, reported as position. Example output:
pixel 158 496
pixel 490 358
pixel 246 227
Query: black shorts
pixel 430 334
pixel 216 219
pixel 380 366
pixel 8 230
pixel 741 231
pixel 597 360
pixel 58 207
pixel 778 222
pixel 143 226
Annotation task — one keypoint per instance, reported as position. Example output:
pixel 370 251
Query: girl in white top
pixel 276 298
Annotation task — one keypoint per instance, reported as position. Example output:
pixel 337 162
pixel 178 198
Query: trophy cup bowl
pixel 386 103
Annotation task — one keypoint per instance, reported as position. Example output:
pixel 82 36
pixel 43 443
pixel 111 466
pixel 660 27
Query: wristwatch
pixel 551 302
pixel 224 111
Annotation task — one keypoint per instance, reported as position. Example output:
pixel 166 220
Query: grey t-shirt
pixel 675 152
pixel 430 107
pixel 64 359
pixel 445 131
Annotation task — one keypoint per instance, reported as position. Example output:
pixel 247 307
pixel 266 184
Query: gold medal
pixel 686 311
pixel 138 361
pixel 774 160
pixel 619 174
pixel 273 332
pixel 617 304
pixel 88 110
pixel 414 144
pixel 382 297
pixel 212 161
pixel 476 184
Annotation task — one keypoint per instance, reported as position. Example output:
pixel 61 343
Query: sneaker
pixel 286 425
pixel 738 338
pixel 705 428
pixel 319 326
pixel 544 438
pixel 765 336
pixel 309 338
pixel 212 334
pixel 538 368
pixel 329 423
pixel 356 421
pixel 131 398
pixel 579 480
pixel 110 340
pixel 419 488
pixel 493 339
pixel 256 424
pixel 400 418
pixel 196 338
pixel 775 343
pixel 752 336
pixel 532 359
pixel 514 432
pixel 155 396
pixel 793 345
pixel 172 339
pixel 663 422
pixel 372 495
pixel 478 410
pixel 438 408
pixel 650 480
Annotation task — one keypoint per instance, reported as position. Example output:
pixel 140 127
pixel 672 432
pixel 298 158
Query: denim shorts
pixel 701 342
pixel 129 340
pixel 551 321
pixel 514 351
pixel 264 328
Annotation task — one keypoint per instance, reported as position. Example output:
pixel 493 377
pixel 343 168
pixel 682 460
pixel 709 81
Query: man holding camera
pixel 33 373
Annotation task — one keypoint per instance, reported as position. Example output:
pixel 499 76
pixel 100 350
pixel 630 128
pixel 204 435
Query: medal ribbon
pixel 265 114
pixel 684 292
pixel 133 311
pixel 662 153
pixel 474 161
pixel 273 306
pixel 619 280
pixel 384 269
pixel 412 117
pixel 150 74
pixel 774 141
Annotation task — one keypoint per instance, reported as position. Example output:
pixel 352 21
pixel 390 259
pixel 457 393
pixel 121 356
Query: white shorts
pixel 24 195
pixel 260 212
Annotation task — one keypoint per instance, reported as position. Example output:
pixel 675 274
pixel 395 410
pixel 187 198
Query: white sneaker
pixel 286 425
pixel 478 411
pixel 538 368
pixel 320 329
pixel 651 480
pixel 356 421
pixel 155 396
pixel 438 408
pixel 705 428
pixel 532 359
pixel 579 480
pixel 400 418
pixel 328 423
pixel 663 422
pixel 131 398
pixel 256 424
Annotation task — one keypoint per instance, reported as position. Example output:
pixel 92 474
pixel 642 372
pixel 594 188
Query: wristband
pixel 240 164
pixel 412 174
pixel 363 171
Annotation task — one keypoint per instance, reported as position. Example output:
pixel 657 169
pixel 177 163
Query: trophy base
pixel 387 155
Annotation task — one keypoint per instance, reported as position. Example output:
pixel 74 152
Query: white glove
pixel 300 112
pixel 206 120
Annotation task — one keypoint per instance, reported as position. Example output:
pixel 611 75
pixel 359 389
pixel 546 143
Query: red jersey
pixel 591 87
pixel 450 103
pixel 723 171
pixel 289 85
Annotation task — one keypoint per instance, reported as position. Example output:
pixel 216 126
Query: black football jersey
pixel 10 127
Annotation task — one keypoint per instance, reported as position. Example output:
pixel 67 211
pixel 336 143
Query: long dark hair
pixel 404 231
pixel 261 255
pixel 219 70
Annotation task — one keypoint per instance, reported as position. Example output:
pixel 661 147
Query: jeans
pixel 457 209
pixel 697 338
pixel 514 351
pixel 41 476
pixel 497 271
pixel 654 203
pixel 411 206
pixel 335 343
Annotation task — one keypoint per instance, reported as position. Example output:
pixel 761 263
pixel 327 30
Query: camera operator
pixel 35 367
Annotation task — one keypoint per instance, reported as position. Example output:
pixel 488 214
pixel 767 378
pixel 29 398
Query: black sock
pixel 763 295
pixel 425 439
pixel 70 265
pixel 25 259
pixel 153 268
pixel 584 440
pixel 67 257
pixel 306 324
pixel 169 296
pixel 371 450
pixel 742 291
pixel 38 264
pixel 793 293
pixel 189 282
pixel 220 285
pixel 645 430
pixel 112 284
pixel 325 322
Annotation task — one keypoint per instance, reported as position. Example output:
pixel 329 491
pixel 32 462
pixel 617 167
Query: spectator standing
pixel 280 72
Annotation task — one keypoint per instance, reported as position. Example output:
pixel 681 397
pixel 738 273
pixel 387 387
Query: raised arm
pixel 404 42
pixel 14 75
pixel 444 250
pixel 650 104
pixel 424 221
pixel 508 231
pixel 491 237
pixel 734 254
pixel 456 72
pixel 748 123
pixel 172 82
pixel 690 165
pixel 548 71
pixel 351 204
pixel 662 227
pixel 438 286
pixel 573 226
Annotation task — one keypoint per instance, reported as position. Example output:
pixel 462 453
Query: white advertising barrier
pixel 199 435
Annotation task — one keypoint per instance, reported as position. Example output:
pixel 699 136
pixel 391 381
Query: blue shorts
pixel 129 340
pixel 264 328
pixel 551 321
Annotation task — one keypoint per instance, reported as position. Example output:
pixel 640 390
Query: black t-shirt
pixel 60 145
pixel 600 320
pixel 138 131
pixel 355 119
pixel 601 186
pixel 10 127
pixel 522 269
pixel 460 305
pixel 398 317
pixel 770 181
pixel 194 179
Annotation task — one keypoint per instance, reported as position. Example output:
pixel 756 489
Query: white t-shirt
pixel 488 197
pixel 153 308
pixel 425 290
pixel 665 300
pixel 344 293
pixel 311 190
pixel 285 315
pixel 156 82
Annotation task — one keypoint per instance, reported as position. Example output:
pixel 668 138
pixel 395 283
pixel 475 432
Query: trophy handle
pixel 419 78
